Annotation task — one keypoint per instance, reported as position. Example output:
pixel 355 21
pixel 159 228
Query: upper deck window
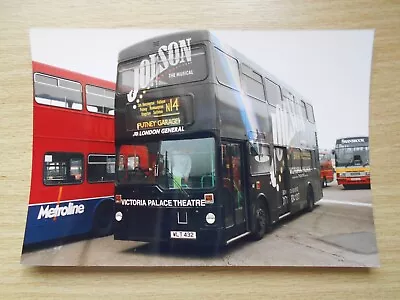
pixel 310 113
pixel 135 75
pixel 99 100
pixel 227 69
pixel 58 92
pixel 287 94
pixel 274 95
pixel 303 109
pixel 253 84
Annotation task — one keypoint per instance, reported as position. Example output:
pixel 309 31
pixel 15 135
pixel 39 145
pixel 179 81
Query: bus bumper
pixel 203 236
pixel 162 227
pixel 354 180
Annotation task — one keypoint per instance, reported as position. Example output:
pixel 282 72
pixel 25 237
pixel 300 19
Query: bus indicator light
pixel 117 198
pixel 258 185
pixel 209 198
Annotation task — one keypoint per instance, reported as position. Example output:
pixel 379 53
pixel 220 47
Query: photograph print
pixel 183 147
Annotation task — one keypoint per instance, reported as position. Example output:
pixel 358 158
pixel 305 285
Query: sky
pixel 331 69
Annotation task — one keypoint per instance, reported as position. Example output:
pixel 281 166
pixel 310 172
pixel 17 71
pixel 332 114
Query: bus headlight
pixel 210 218
pixel 118 216
pixel 367 173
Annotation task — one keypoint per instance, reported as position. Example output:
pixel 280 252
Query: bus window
pixel 274 95
pixel 188 163
pixel 99 100
pixel 306 161
pixel 227 69
pixel 100 168
pixel 260 161
pixel 63 168
pixel 310 113
pixel 133 163
pixel 295 160
pixel 252 83
pixel 303 110
pixel 57 92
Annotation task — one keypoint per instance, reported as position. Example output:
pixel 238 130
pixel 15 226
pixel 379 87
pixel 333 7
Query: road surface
pixel 339 232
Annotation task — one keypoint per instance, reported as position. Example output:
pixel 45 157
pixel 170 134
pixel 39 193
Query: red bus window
pixel 63 168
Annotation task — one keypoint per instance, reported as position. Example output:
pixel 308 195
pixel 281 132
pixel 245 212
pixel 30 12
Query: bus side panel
pixel 47 222
pixel 316 184
pixel 44 198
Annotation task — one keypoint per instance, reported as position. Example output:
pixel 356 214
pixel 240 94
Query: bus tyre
pixel 262 222
pixel 310 199
pixel 103 220
pixel 324 182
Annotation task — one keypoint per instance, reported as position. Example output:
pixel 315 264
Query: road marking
pixel 345 202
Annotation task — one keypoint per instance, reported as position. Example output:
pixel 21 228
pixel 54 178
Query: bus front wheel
pixel 262 221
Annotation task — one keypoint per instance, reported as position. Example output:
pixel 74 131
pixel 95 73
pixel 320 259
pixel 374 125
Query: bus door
pixel 282 180
pixel 233 194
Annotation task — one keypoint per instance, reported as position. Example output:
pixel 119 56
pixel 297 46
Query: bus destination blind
pixel 159 113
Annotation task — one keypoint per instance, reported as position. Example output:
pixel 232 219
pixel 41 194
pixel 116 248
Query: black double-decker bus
pixel 210 147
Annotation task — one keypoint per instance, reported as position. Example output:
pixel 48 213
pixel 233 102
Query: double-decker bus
pixel 352 161
pixel 327 170
pixel 73 155
pixel 211 148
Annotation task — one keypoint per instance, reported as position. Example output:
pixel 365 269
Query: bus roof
pixel 151 45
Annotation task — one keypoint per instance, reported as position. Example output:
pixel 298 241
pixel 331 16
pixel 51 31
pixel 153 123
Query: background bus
pixel 246 144
pixel 73 157
pixel 327 169
pixel 352 161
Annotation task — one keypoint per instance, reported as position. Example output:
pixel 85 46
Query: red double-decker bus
pixel 327 170
pixel 73 157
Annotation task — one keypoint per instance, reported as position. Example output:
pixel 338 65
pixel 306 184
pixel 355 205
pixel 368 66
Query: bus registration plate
pixel 355 179
pixel 190 235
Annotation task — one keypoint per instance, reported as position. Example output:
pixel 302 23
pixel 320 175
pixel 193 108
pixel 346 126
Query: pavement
pixel 339 232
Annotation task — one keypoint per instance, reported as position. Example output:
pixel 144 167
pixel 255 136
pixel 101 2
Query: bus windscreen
pixel 172 164
pixel 352 156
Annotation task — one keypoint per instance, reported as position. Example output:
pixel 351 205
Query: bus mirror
pixel 333 152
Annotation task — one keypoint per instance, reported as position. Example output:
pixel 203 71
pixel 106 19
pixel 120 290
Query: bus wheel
pixel 262 222
pixel 103 220
pixel 310 199
pixel 324 182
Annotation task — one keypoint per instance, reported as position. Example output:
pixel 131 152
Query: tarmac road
pixel 339 232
